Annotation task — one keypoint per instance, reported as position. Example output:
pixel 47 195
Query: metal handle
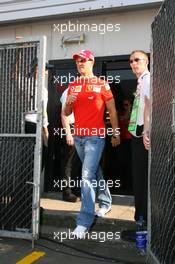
pixel 32 183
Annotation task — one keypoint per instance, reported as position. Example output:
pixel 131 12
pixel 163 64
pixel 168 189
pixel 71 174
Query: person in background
pixel 30 117
pixel 124 150
pixel 124 117
pixel 139 65
pixel 87 98
pixel 72 163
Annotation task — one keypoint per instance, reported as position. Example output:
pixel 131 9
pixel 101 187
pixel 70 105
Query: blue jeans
pixel 90 149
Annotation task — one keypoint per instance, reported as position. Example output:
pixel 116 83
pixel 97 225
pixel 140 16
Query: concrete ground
pixel 104 243
pixel 124 210
pixel 14 251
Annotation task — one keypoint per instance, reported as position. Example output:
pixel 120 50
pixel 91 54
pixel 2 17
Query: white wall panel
pixel 135 33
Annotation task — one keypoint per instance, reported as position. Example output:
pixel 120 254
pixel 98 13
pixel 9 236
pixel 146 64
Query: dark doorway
pixel 116 162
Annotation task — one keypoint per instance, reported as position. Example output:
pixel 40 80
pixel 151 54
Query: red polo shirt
pixel 92 93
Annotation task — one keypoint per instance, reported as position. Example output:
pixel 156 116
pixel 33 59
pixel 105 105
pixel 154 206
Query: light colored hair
pixel 140 51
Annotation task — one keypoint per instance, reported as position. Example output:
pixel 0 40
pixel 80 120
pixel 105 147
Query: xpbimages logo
pixel 81 131
pixel 64 79
pixel 100 28
pixel 100 184
pixel 98 236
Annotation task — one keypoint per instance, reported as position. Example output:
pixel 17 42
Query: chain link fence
pixel 18 97
pixel 18 85
pixel 16 168
pixel 162 157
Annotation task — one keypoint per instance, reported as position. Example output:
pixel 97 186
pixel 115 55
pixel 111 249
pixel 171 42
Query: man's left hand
pixel 115 141
pixel 146 140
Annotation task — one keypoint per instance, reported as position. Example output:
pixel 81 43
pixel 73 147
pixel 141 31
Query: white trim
pixel 43 9
pixel 23 40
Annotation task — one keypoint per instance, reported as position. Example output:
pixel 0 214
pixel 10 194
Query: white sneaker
pixel 80 232
pixel 102 211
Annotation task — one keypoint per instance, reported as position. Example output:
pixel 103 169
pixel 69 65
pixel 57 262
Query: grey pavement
pixel 103 244
pixel 86 251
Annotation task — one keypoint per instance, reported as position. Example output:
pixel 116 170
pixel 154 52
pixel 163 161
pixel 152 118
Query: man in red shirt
pixel 87 98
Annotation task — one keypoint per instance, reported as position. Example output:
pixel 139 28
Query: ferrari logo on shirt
pixel 97 88
pixel 89 88
pixel 78 88
pixel 107 87
pixel 72 88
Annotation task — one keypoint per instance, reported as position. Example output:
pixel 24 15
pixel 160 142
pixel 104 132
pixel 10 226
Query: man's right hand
pixel 71 99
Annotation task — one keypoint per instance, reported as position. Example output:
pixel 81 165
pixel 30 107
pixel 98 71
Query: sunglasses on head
pixel 82 60
pixel 135 60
